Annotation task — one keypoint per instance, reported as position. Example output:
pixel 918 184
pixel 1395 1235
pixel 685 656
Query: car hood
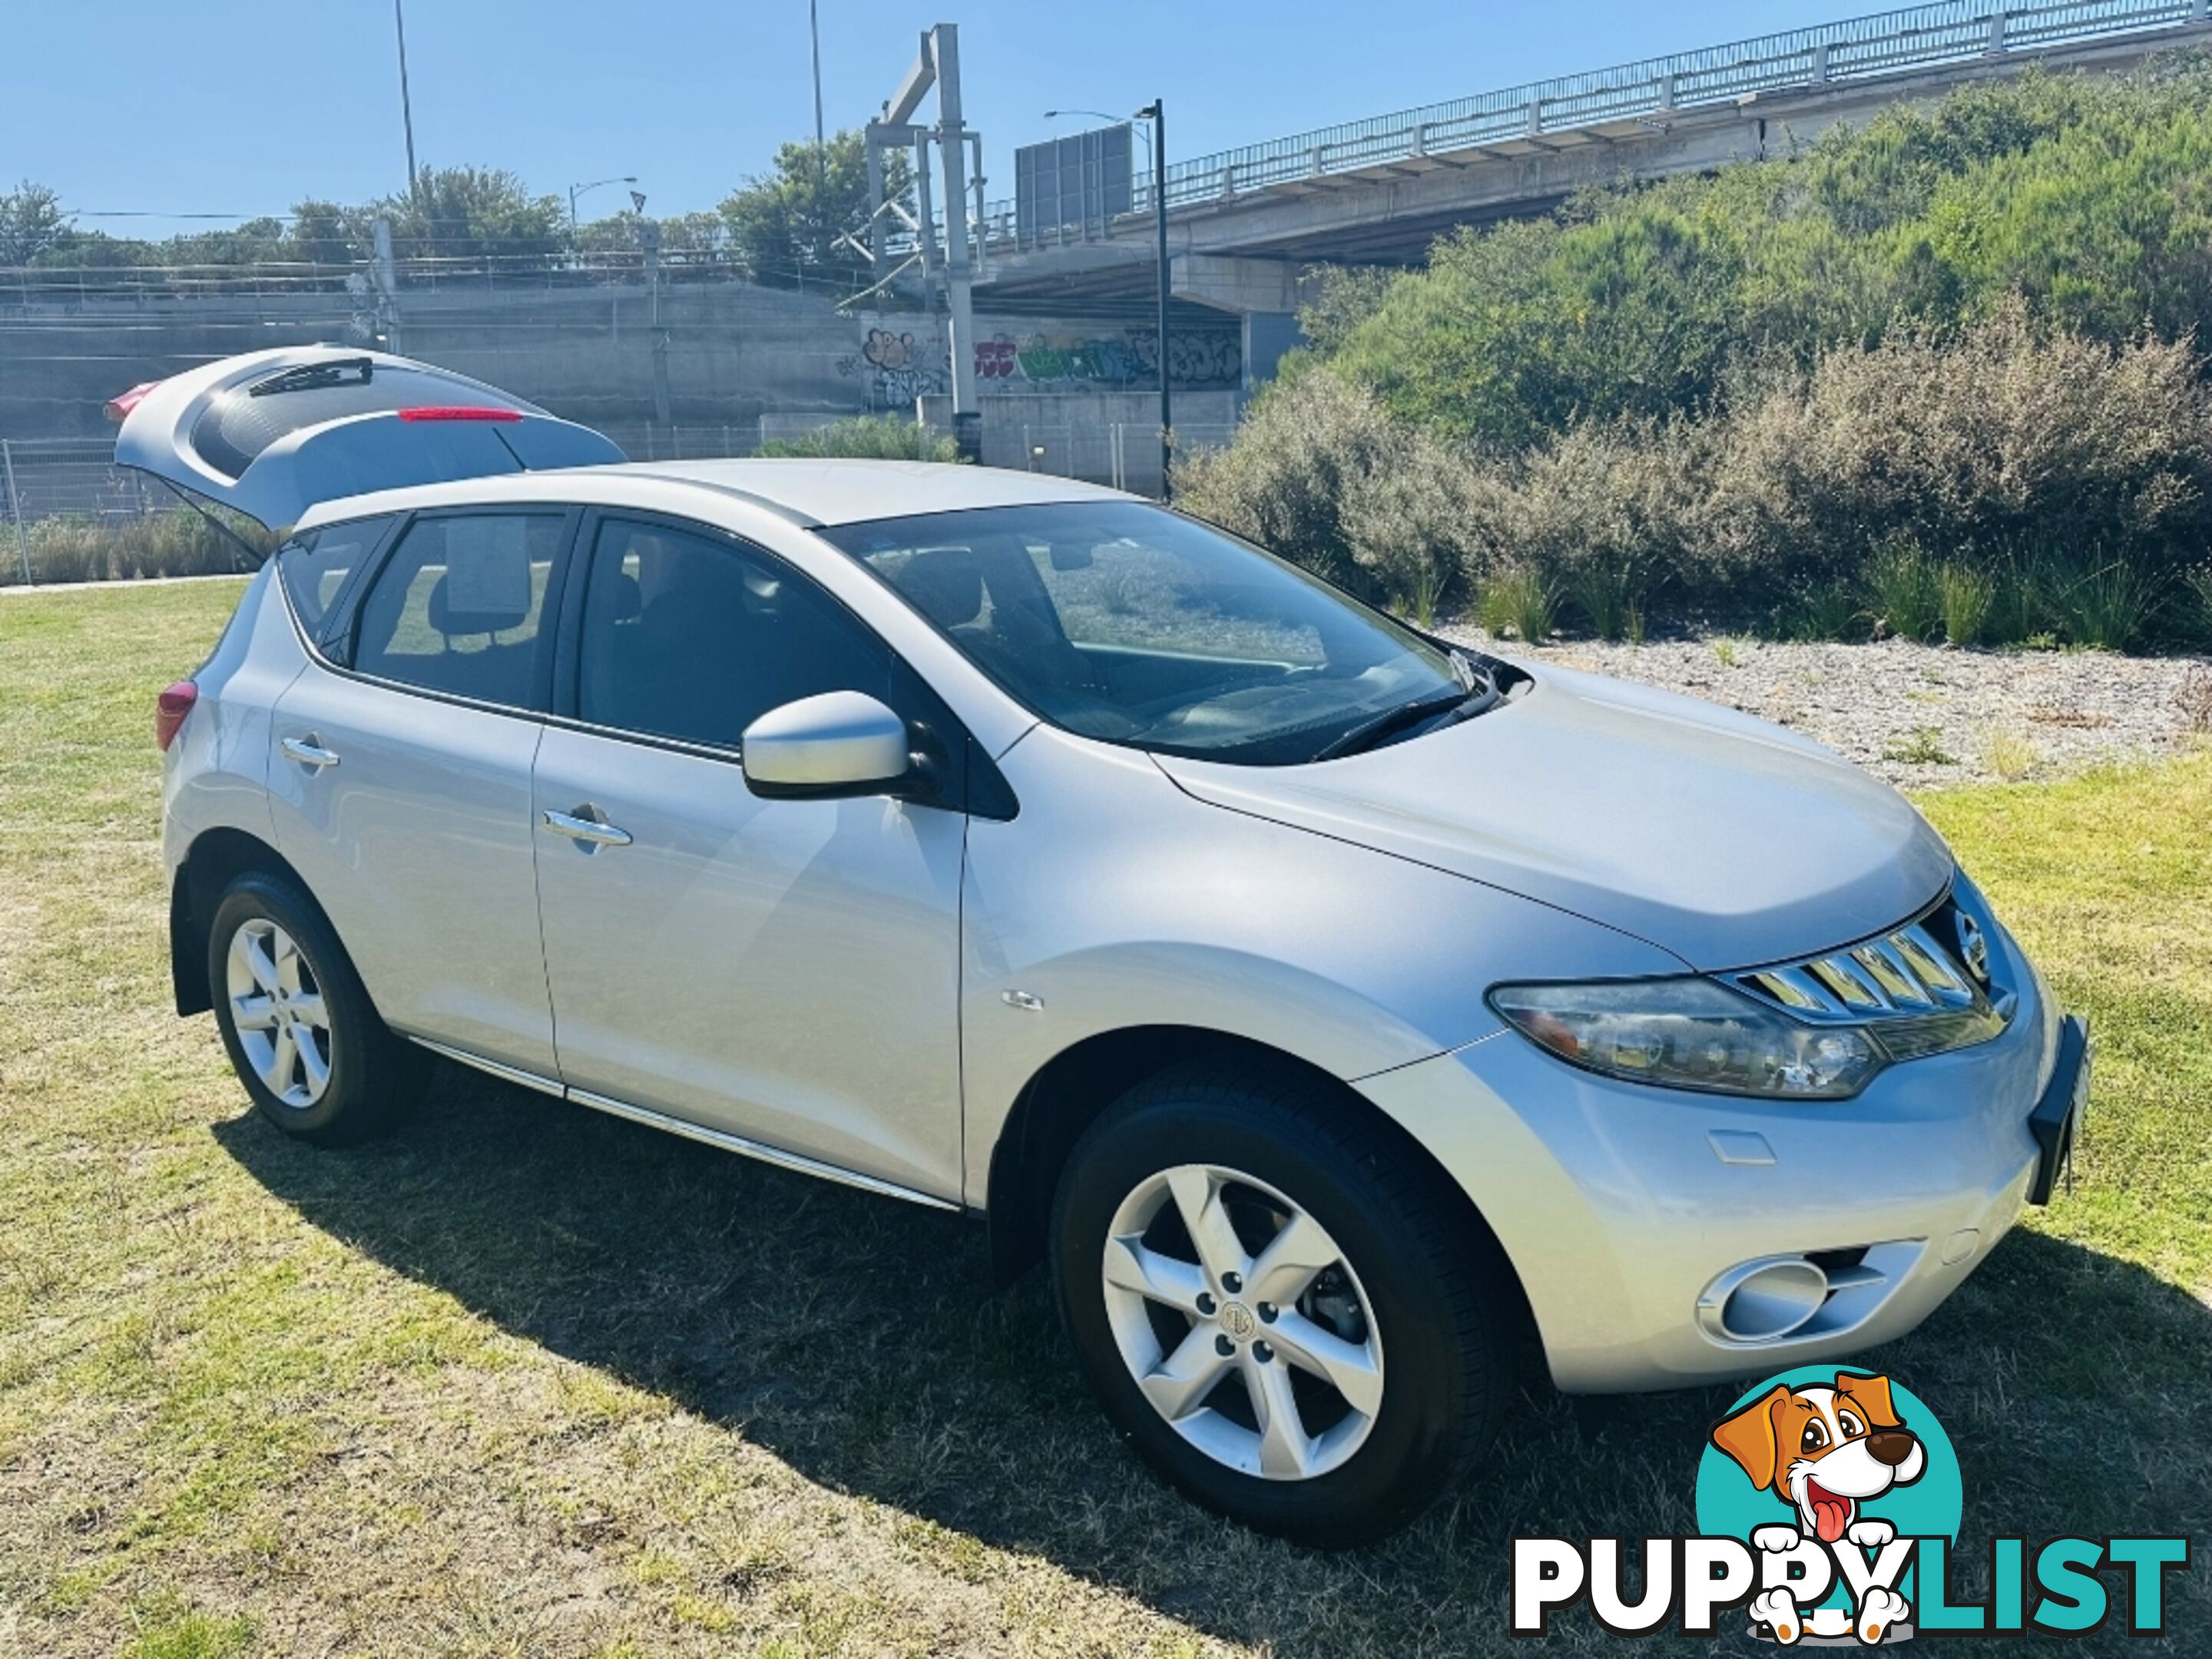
pixel 1724 839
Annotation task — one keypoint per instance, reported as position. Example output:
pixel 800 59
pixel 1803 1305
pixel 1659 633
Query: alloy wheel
pixel 1242 1323
pixel 276 1007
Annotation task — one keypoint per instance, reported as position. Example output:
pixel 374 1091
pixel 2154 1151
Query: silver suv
pixel 1341 1013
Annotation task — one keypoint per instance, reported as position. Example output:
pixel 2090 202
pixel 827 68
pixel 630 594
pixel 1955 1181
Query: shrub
pixel 1966 596
pixel 1907 597
pixel 867 438
pixel 1610 597
pixel 2102 603
pixel 2086 198
pixel 1304 450
pixel 1409 522
pixel 2198 585
pixel 1822 611
pixel 176 542
pixel 2006 434
pixel 1521 602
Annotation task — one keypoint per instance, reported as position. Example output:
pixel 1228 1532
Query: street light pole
pixel 821 161
pixel 574 190
pixel 406 105
pixel 1156 113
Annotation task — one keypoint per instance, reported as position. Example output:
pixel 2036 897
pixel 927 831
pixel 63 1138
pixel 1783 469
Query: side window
pixel 692 637
pixel 314 567
pixel 458 606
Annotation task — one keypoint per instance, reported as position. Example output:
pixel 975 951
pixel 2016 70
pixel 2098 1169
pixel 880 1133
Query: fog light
pixel 1763 1301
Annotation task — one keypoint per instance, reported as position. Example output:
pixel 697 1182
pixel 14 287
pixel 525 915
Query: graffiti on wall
pixel 1126 358
pixel 895 366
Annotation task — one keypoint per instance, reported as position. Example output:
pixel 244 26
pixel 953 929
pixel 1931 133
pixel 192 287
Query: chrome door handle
pixel 589 831
pixel 308 752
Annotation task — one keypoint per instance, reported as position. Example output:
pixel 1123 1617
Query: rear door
pixel 272 433
pixel 400 784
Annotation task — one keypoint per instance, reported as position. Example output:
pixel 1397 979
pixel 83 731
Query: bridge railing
pixel 1888 42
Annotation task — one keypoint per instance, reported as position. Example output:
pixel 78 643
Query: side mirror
pixel 830 747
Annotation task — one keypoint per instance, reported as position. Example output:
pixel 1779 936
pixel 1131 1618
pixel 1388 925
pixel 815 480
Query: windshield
pixel 1127 623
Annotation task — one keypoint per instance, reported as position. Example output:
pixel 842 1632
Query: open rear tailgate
pixel 274 433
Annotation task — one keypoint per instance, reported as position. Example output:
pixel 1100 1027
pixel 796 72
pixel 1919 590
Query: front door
pixel 785 971
pixel 400 782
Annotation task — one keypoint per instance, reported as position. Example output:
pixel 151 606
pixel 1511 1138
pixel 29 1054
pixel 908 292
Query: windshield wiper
pixel 1369 732
pixel 315 377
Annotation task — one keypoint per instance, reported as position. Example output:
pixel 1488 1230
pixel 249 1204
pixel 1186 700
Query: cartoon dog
pixel 1827 1451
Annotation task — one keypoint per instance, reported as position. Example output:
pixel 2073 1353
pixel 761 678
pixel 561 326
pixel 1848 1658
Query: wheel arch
pixel 217 857
pixel 1073 1088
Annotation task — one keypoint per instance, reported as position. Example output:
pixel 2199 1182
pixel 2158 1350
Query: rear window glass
pixel 457 607
pixel 315 566
pixel 245 420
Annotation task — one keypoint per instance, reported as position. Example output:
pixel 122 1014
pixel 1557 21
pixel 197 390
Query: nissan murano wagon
pixel 1339 1012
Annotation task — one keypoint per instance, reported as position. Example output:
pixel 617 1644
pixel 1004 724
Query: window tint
pixel 315 566
pixel 689 636
pixel 458 606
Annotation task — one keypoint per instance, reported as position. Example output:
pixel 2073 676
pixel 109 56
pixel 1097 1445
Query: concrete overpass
pixel 1244 225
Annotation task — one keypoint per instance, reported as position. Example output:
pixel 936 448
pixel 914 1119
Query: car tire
pixel 1415 1300
pixel 300 1029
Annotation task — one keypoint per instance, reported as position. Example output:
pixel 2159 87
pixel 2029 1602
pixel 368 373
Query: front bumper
pixel 1626 1209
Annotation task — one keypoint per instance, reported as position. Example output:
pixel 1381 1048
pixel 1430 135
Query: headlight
pixel 1690 1034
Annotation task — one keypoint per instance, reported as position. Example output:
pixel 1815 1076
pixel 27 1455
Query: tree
pixel 788 224
pixel 31 223
pixel 688 239
pixel 474 213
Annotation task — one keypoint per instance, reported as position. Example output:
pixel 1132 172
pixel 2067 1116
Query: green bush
pixel 1521 602
pixel 1966 596
pixel 1821 611
pixel 2104 603
pixel 1610 598
pixel 1967 330
pixel 2091 199
pixel 1907 592
pixel 866 438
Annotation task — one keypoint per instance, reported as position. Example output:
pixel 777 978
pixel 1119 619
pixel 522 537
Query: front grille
pixel 1918 989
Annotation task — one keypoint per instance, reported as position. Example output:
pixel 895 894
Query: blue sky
pixel 244 106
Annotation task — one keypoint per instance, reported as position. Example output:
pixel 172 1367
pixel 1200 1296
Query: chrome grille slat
pixel 1893 974
pixel 1906 985
pixel 1930 963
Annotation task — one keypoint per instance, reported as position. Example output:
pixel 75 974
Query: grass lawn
pixel 522 1379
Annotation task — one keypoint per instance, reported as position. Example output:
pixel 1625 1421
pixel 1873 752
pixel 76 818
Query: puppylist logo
pixel 1828 1501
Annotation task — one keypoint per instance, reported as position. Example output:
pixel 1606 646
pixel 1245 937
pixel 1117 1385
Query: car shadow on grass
pixel 860 1340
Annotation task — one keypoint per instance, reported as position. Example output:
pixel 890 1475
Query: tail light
pixel 170 709
pixel 458 412
pixel 119 407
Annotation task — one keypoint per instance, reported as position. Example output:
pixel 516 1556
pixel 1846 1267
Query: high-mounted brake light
pixel 170 709
pixel 459 412
pixel 123 403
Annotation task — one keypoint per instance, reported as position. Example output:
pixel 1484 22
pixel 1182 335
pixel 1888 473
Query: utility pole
pixel 937 66
pixel 406 105
pixel 952 151
pixel 1156 113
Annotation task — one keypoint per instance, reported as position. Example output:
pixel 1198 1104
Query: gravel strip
pixel 1924 716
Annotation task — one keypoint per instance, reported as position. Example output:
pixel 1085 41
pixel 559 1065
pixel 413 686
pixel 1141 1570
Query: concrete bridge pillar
pixel 1264 293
